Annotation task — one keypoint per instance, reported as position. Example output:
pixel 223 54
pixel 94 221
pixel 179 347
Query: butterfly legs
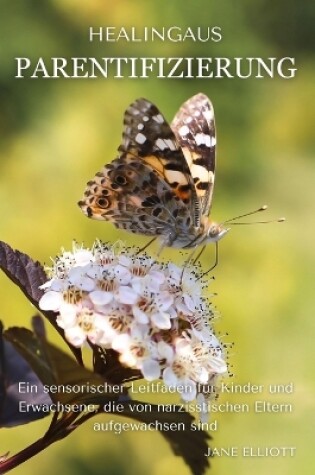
pixel 190 260
pixel 216 260
pixel 147 245
pixel 164 242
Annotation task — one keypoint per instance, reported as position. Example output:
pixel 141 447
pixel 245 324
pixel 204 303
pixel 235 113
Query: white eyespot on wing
pixel 158 118
pixel 209 114
pixel 163 144
pixel 200 172
pixel 205 139
pixel 140 138
pixel 174 176
pixel 201 138
pixel 171 145
pixel 213 141
pixel 160 144
pixel 184 130
pixel 211 177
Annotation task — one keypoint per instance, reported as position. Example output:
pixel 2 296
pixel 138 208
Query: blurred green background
pixel 55 134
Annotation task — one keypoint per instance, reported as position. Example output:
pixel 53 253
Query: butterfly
pixel 161 184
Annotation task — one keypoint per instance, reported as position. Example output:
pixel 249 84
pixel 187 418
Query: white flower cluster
pixel 152 314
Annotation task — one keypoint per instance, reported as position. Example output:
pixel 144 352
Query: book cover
pixel 83 83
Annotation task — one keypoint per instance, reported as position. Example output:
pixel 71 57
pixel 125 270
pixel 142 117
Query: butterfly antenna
pixel 262 208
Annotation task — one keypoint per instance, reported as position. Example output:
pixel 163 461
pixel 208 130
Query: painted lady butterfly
pixel 162 182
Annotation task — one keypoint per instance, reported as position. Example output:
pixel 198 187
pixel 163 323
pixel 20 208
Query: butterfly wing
pixel 194 128
pixel 148 189
pixel 130 195
pixel 148 137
